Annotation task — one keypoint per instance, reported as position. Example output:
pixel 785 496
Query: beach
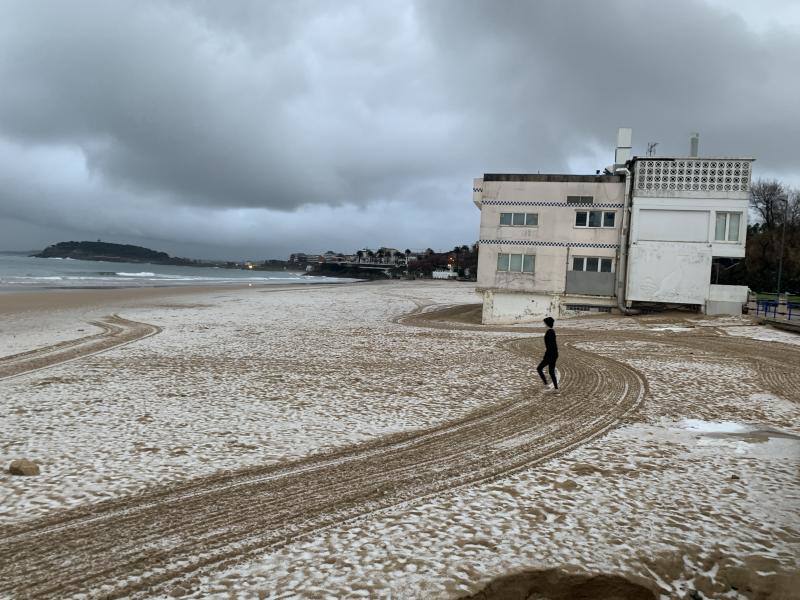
pixel 374 440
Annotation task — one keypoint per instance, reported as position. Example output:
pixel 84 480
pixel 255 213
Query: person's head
pixel 549 321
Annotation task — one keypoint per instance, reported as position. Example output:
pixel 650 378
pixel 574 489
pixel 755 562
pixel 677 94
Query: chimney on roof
pixel 623 152
pixel 694 145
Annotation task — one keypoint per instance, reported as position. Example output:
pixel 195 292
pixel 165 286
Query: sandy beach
pixel 373 440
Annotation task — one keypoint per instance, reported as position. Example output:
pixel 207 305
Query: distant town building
pixel 645 233
pixel 448 273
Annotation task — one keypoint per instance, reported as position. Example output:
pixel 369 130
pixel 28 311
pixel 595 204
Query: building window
pixel 595 218
pixel 520 219
pixel 515 263
pixel 580 199
pixel 727 227
pixel 591 263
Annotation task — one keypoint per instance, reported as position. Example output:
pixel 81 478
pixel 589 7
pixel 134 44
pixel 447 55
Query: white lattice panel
pixel 691 175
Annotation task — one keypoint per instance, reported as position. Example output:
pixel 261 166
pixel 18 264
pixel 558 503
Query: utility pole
pixel 783 239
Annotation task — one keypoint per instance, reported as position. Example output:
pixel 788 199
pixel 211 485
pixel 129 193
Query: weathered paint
pixel 676 273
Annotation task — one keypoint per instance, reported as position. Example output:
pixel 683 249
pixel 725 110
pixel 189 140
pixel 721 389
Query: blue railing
pixel 771 308
pixel 767 308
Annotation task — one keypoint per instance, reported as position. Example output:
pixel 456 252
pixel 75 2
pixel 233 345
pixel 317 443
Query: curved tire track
pixel 151 543
pixel 116 331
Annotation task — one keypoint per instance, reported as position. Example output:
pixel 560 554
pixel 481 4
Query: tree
pixel 767 197
pixel 759 269
pixel 457 252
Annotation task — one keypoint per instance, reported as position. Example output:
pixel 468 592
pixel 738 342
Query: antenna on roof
pixel 651 148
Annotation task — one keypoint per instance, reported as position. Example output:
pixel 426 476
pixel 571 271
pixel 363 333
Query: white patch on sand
pixel 765 333
pixel 711 427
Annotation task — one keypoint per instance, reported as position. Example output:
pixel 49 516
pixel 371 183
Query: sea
pixel 19 272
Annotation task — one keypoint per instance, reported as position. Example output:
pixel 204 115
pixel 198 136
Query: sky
pixel 251 129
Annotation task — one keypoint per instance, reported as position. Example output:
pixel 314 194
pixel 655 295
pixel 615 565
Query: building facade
pixel 685 214
pixel 646 233
pixel 547 244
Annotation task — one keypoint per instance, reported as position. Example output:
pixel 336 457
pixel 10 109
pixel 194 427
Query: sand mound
pixel 555 584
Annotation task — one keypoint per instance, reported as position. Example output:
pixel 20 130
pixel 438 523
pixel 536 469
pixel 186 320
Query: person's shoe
pixel 549 387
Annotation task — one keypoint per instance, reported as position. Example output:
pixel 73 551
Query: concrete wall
pixel 726 299
pixel 676 272
pixel 503 308
pixel 728 293
pixel 714 307
pixel 672 225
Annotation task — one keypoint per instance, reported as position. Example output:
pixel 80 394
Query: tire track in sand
pixel 116 331
pixel 163 540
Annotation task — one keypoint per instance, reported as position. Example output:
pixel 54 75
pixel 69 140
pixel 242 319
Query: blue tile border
pixel 560 204
pixel 552 244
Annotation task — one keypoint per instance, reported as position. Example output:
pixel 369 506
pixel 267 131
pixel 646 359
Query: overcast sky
pixel 251 129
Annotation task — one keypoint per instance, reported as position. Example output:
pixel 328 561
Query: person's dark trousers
pixel 550 362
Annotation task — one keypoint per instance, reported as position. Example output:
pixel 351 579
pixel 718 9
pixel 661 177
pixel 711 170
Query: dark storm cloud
pixel 195 121
pixel 549 77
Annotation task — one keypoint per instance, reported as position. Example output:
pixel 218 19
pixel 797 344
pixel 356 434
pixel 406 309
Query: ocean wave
pixel 140 274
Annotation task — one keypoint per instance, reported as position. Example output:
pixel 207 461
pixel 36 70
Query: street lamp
pixel 783 239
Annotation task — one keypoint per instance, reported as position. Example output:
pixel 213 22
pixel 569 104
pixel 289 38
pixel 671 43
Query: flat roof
pixel 552 177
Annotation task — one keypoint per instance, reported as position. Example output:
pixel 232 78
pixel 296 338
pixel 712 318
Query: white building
pixel 558 244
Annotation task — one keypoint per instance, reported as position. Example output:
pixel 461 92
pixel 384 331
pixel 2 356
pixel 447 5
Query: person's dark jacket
pixel 550 346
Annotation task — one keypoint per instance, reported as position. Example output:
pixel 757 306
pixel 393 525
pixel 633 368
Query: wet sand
pixel 14 301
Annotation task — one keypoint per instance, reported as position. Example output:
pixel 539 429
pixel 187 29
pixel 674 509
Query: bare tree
pixel 767 197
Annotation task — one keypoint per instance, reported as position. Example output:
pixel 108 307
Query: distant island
pixel 128 253
pixel 113 253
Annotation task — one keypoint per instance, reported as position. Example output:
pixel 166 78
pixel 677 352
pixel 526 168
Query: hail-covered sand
pixel 699 491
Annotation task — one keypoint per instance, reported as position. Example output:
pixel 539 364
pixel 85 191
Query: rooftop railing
pixel 692 175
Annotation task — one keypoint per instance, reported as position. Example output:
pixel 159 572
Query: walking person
pixel 550 355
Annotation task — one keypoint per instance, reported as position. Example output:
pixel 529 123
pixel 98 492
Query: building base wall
pixel 508 308
pixel 726 299
pixel 716 307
